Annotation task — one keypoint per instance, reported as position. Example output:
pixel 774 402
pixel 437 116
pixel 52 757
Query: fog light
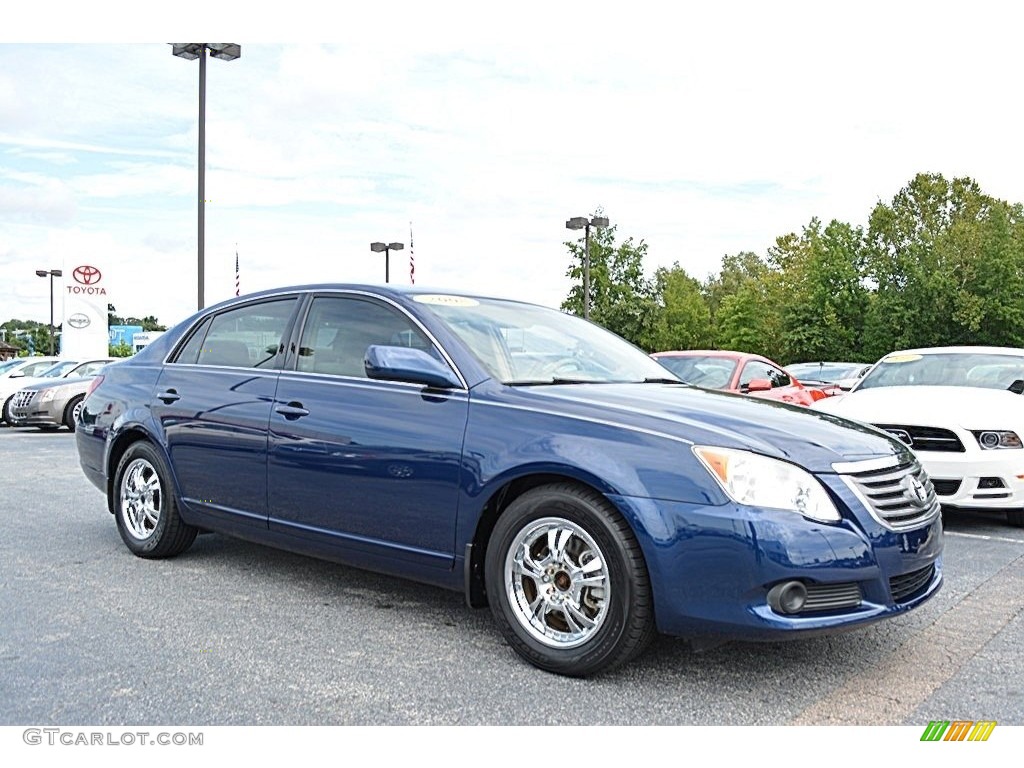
pixel 787 597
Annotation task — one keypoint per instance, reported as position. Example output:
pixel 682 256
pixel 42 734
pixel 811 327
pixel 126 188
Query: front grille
pixel 900 496
pixel 946 487
pixel 909 584
pixel 22 398
pixel 832 597
pixel 925 438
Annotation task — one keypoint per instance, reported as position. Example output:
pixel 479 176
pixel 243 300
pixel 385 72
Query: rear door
pixel 212 402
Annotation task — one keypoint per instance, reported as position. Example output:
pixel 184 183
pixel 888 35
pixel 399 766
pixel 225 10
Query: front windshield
pixel 711 372
pixel 827 372
pixel 59 369
pixel 522 344
pixel 947 369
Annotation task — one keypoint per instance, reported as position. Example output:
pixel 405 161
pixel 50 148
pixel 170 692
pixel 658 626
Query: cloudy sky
pixel 702 129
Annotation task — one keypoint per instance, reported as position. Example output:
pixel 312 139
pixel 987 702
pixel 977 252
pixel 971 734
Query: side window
pixel 778 377
pixel 190 352
pixel 338 330
pixel 754 370
pixel 245 337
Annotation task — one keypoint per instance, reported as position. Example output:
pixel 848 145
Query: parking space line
pixel 983 537
pixel 888 693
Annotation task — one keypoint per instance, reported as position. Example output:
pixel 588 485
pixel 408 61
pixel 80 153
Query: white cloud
pixel 701 130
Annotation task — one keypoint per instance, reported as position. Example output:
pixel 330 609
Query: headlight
pixel 755 480
pixel 991 439
pixel 48 394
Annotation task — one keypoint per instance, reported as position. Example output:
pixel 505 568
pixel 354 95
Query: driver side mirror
pixel 413 366
pixel 759 385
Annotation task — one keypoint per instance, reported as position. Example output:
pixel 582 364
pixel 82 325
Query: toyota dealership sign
pixel 84 333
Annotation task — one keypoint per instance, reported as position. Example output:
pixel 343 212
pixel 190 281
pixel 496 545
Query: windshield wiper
pixel 662 380
pixel 555 380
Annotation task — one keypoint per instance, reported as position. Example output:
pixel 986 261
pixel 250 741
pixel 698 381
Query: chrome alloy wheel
pixel 76 412
pixel 557 582
pixel 141 498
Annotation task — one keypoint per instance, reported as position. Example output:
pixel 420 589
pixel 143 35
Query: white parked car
pixel 961 410
pixel 16 373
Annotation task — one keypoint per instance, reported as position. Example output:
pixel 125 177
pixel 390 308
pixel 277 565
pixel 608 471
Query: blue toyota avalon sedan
pixel 534 461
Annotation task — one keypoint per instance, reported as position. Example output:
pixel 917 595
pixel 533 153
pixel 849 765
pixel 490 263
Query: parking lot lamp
pixel 51 273
pixel 190 51
pixel 386 249
pixel 582 222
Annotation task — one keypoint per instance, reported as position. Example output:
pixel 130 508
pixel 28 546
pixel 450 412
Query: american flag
pixel 412 258
pixel 238 279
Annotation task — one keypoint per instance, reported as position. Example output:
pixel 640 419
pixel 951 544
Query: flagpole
pixel 238 279
pixel 412 258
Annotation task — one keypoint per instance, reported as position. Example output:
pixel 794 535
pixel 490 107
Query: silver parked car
pixel 55 402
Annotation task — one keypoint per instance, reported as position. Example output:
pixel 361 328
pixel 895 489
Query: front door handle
pixel 292 410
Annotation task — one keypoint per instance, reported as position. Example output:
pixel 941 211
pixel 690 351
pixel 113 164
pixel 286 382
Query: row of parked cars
pixel 959 408
pixel 45 392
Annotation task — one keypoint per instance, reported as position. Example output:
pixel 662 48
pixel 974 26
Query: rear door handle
pixel 292 411
pixel 169 396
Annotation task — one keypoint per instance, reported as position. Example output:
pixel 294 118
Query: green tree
pixel 684 321
pixel 948 264
pixel 621 298
pixel 120 350
pixel 820 276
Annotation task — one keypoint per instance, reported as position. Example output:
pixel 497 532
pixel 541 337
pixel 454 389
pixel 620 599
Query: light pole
pixel 386 248
pixel 50 273
pixel 582 222
pixel 190 51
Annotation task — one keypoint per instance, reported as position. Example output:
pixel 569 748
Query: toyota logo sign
pixel 86 275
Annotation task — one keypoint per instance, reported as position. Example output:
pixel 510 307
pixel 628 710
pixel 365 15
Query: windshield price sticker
pixel 447 301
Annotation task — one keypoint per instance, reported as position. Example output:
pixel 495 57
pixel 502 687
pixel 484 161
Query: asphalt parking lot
pixel 233 633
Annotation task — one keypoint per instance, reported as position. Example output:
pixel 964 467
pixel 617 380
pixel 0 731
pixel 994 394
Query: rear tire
pixel 145 507
pixel 1015 517
pixel 567 582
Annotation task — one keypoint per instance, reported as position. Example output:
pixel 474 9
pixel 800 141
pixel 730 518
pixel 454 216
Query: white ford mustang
pixel 961 410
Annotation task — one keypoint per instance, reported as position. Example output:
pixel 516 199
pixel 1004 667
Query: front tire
pixel 1015 517
pixel 5 413
pixel 145 508
pixel 71 411
pixel 567 582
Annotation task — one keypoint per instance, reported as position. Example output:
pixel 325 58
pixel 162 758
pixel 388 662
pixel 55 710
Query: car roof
pixel 706 353
pixel 387 289
pixel 958 350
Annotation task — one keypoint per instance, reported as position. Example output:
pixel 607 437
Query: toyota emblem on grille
pixel 915 490
pixel 902 435
pixel 86 275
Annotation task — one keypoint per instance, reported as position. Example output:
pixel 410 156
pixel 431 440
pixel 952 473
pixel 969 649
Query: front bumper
pixel 977 479
pixel 33 414
pixel 712 568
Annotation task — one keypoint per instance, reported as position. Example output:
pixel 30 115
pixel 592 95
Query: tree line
pixel 31 337
pixel 941 263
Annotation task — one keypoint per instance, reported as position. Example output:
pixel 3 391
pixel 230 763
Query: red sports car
pixel 737 372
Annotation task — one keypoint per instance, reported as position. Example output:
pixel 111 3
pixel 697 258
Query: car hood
pixel 709 417
pixel 75 382
pixel 965 407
